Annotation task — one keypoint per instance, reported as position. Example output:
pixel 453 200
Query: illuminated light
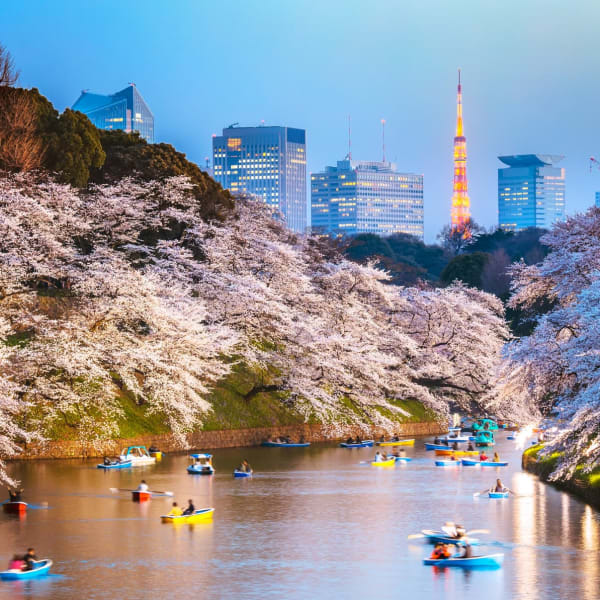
pixel 234 143
pixel 460 212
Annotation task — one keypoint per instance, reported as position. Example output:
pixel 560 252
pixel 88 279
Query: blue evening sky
pixel 530 77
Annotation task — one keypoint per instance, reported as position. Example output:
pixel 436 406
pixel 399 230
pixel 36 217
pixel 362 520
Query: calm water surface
pixel 312 523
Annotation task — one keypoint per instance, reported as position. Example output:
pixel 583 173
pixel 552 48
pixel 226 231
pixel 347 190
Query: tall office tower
pixel 267 162
pixel 461 206
pixel 366 197
pixel 124 110
pixel 531 191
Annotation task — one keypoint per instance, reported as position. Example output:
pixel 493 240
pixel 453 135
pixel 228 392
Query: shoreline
pixel 226 438
pixel 586 493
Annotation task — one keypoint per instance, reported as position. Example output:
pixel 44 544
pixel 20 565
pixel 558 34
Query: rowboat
pixel 449 452
pixel 15 508
pixel 447 463
pixel 116 464
pixel 237 473
pixel 41 568
pixel 511 437
pixel 442 537
pixel 138 455
pixel 398 443
pixel 201 464
pixel 285 445
pixel 200 516
pixel 429 446
pixel 141 496
pixel 384 463
pixel 365 444
pixel 459 439
pixel 497 494
pixel 469 462
pixel 490 561
pixel 491 463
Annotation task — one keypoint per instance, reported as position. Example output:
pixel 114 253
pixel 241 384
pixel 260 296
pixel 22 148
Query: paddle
pixel 153 492
pixel 415 536
pixel 476 494
pixel 477 531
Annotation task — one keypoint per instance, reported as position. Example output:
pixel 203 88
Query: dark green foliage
pixel 405 257
pixel 127 154
pixel 467 268
pixel 74 148
pixel 520 245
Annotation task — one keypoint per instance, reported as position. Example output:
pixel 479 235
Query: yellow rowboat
pixel 200 516
pixel 400 443
pixel 384 463
pixel 456 452
pixel 157 455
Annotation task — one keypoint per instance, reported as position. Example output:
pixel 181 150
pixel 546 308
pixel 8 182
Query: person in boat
pixel 470 447
pixel 445 442
pixel 496 457
pixel 191 509
pixel 455 446
pixel 350 441
pixel 245 467
pixel 440 552
pixel 466 551
pixel 378 457
pixel 16 562
pixel 483 456
pixel 143 487
pixel 358 440
pixel 175 511
pixel 382 438
pixel 499 486
pixel 153 448
pixel 15 495
pixel 437 440
pixel 29 560
pixel 396 438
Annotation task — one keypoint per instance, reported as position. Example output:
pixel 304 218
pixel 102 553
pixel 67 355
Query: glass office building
pixel 531 191
pixel 366 197
pixel 124 110
pixel 266 162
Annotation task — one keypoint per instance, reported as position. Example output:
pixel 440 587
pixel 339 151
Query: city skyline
pixel 513 106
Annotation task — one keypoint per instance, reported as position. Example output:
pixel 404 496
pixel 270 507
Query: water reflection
pixel 310 524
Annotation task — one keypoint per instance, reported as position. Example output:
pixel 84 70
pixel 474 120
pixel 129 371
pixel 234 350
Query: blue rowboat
pixel 491 463
pixel 365 444
pixel 467 462
pixel 284 445
pixel 497 494
pixel 237 473
pixel 120 464
pixel 429 446
pixel 491 561
pixel 41 568
pixel 402 458
pixel 440 537
pixel 458 439
pixel 447 463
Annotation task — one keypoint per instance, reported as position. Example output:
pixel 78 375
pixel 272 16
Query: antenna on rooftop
pixel 349 138
pixel 383 137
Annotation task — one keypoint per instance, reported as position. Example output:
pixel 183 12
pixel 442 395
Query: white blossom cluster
pixel 126 284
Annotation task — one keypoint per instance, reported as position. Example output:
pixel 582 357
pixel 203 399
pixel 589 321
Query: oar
pixel 153 492
pixel 415 536
pixel 481 492
pixel 477 531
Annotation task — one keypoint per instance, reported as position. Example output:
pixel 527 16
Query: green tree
pixel 74 148
pixel 127 154
pixel 467 268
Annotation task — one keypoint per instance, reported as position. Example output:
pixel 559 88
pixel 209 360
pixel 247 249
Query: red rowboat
pixel 138 496
pixel 15 508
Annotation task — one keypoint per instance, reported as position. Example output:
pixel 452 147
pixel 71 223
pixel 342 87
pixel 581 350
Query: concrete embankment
pixel 581 485
pixel 229 438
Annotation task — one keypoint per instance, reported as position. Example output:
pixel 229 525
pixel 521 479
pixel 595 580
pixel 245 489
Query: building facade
pixel 266 162
pixel 125 110
pixel 597 199
pixel 531 191
pixel 366 197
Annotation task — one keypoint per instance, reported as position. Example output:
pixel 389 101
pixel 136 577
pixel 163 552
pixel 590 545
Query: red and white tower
pixel 461 206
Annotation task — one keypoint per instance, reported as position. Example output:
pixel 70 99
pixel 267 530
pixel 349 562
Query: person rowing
pixel 245 467
pixel 378 457
pixel 349 441
pixel 191 509
pixel 358 440
pixel 29 559
pixel 143 487
pixel 15 495
pixel 482 456
pixel 470 447
pixel 496 457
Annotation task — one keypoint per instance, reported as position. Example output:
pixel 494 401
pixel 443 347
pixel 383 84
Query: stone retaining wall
pixel 228 438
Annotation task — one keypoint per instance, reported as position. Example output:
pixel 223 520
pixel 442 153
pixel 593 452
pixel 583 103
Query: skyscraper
pixel 366 197
pixel 531 191
pixel 124 110
pixel 461 206
pixel 267 162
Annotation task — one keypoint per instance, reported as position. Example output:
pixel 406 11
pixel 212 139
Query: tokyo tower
pixel 461 206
